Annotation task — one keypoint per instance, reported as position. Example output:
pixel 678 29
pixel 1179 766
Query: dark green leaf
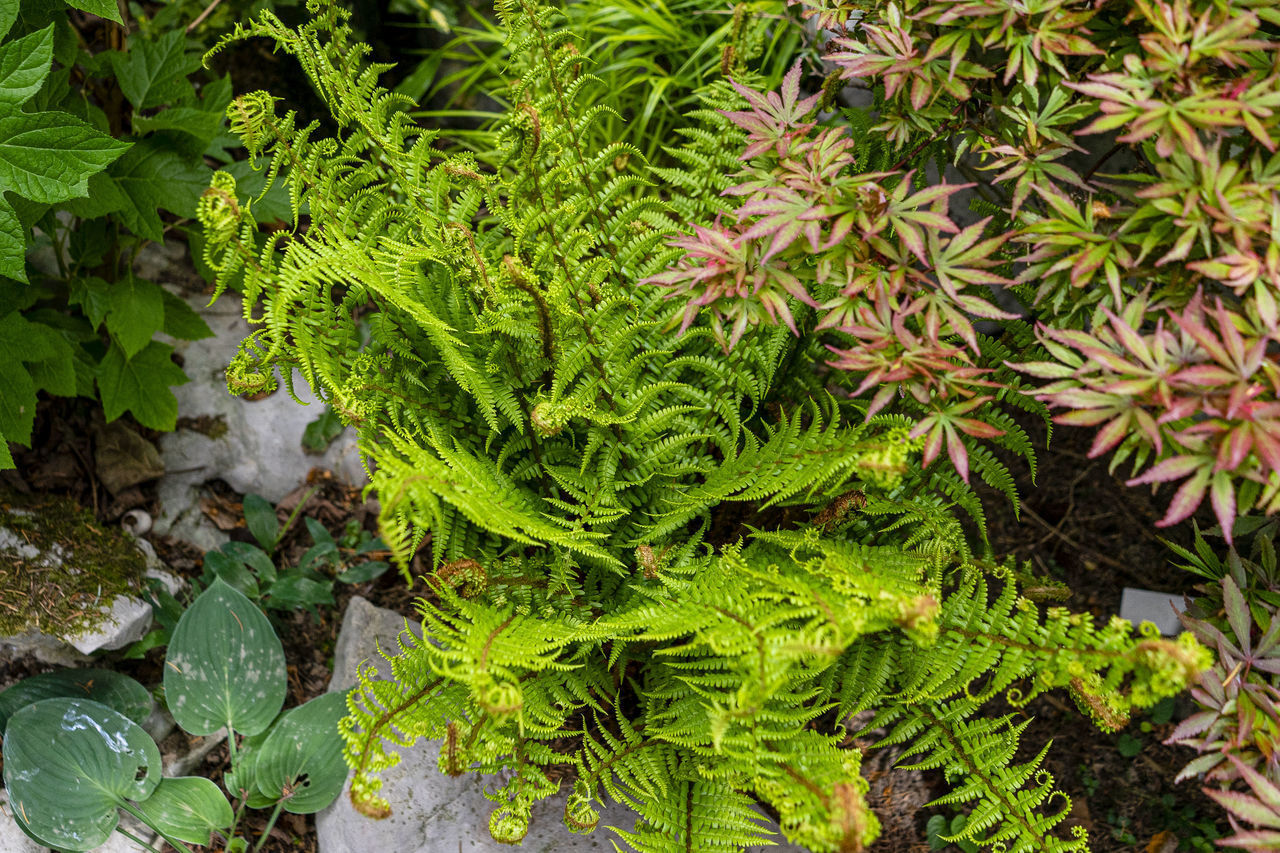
pixel 154 178
pixel 260 516
pixel 13 243
pixel 254 557
pixel 202 124
pixel 102 8
pixel 23 66
pixel 188 808
pixel 154 71
pixel 141 385
pixel 180 321
pixel 301 761
pixel 321 432
pixel 294 590
pixel 364 571
pixel 137 313
pixel 105 196
pixel 231 571
pixel 93 295
pixel 48 157
pixel 8 14
pixel 225 665
pixel 116 691
pixel 68 765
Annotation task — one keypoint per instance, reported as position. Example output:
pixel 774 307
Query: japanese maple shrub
pixel 595 605
pixel 1124 160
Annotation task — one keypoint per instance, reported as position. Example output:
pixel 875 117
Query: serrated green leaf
pixel 93 295
pixel 102 8
pixel 188 808
pixel 105 196
pixel 68 765
pixel 154 71
pixel 202 124
pixel 8 14
pixel 225 665
pixel 116 691
pixel 57 373
pixel 180 321
pixel 137 313
pixel 153 178
pixel 48 157
pixel 13 243
pixel 141 385
pixel 17 389
pixel 23 66
pixel 301 761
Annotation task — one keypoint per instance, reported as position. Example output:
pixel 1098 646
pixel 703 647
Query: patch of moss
pixel 60 566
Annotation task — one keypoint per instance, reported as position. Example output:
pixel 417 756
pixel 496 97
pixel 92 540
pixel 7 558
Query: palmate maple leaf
pixel 775 117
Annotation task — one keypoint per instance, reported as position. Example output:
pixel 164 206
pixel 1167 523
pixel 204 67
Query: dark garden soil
pixel 1079 525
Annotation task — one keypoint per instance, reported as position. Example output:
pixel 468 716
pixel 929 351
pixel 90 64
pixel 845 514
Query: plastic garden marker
pixel 101 685
pixel 69 764
pixel 225 666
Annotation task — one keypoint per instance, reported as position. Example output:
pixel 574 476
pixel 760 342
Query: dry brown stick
pixel 200 18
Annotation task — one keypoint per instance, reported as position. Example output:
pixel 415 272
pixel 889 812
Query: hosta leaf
pixel 188 808
pixel 68 765
pixel 118 692
pixel 225 665
pixel 23 66
pixel 301 761
pixel 141 385
pixel 48 157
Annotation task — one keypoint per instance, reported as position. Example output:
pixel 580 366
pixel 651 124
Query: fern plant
pixel 595 604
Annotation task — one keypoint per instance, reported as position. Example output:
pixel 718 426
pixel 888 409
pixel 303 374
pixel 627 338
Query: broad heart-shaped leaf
pixel 68 764
pixel 154 71
pixel 48 157
pixel 188 808
pixel 102 8
pixel 152 177
pixel 23 66
pixel 137 313
pixel 225 666
pixel 301 761
pixel 13 243
pixel 118 692
pixel 141 385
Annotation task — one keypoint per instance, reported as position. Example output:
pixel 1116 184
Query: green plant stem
pixel 271 822
pixel 174 843
pixel 129 835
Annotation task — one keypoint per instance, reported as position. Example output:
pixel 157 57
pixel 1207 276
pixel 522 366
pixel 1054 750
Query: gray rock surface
pixel 1161 608
pixel 431 812
pixel 260 449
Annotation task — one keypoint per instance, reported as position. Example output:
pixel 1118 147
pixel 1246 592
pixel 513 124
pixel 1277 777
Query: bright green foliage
pixel 84 177
pixel 526 402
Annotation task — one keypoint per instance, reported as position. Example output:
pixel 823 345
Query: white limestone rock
pixel 260 449
pixel 431 812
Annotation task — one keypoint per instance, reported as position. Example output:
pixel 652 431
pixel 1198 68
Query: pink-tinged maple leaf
pixel 774 117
